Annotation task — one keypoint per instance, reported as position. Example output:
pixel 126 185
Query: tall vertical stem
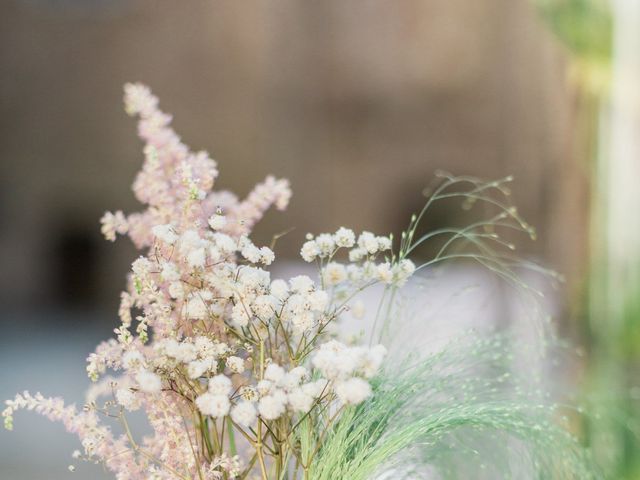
pixel 263 468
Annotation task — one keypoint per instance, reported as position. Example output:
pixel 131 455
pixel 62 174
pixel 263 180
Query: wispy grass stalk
pixel 458 413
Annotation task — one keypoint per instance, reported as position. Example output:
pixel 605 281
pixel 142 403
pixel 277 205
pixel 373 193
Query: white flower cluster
pixel 196 357
pixel 249 297
pixel 347 368
pixel 362 255
pixel 128 399
pixel 212 247
pixel 213 277
pixel 280 390
pixel 270 398
pixel 200 355
pixel 215 402
pixel 298 304
pixel 390 273
pixel 246 299
pixel 344 372
pixel 326 245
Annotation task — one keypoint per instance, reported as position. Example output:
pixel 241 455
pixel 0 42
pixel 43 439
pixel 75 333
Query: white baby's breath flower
pixel 334 273
pixel 196 308
pixel 336 361
pixel 204 346
pixel 384 273
pixel 279 289
pixel 220 349
pixel 325 244
pixel 317 388
pixel 266 256
pixel 170 347
pixel 217 221
pixel 353 391
pixel 404 270
pixel 250 251
pixel 293 378
pixel 301 284
pixel 197 258
pixel 132 359
pixel 141 267
pixel 197 368
pixel 213 405
pixel 345 238
pixel 372 360
pixel 309 251
pixel 300 373
pixel 127 399
pixel 357 254
pixel 368 242
pixel 274 373
pixel 224 242
pixel 218 307
pixel 249 393
pixel 220 385
pixel 300 401
pixel 384 244
pixel 190 240
pixel 252 280
pixel 264 306
pixel 148 381
pixel 264 387
pixel 165 233
pixel 239 315
pixel 318 300
pixel 302 322
pixel 176 290
pixel 271 406
pixel 235 364
pixel 331 359
pixel 186 352
pixel 170 272
pixel 215 255
pixel 369 270
pixel 244 414
pixel 355 273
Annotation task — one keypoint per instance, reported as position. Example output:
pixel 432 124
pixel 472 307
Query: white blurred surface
pixel 37 356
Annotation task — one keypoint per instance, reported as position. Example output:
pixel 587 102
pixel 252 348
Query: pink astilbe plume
pixel 177 183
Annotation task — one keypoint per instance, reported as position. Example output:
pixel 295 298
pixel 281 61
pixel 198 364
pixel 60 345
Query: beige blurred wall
pixel 357 102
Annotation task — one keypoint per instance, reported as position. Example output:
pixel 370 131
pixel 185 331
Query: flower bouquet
pixel 242 376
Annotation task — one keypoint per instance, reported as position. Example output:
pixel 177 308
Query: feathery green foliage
pixel 461 411
pixel 458 413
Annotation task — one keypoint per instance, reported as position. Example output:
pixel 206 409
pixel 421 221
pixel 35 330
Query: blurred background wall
pixel 358 103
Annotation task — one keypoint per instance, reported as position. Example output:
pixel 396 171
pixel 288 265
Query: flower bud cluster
pixel 362 267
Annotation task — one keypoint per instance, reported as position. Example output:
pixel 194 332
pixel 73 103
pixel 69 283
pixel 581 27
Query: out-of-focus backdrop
pixel 358 104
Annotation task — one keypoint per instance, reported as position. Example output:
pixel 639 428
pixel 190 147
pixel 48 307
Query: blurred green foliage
pixel 585 28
